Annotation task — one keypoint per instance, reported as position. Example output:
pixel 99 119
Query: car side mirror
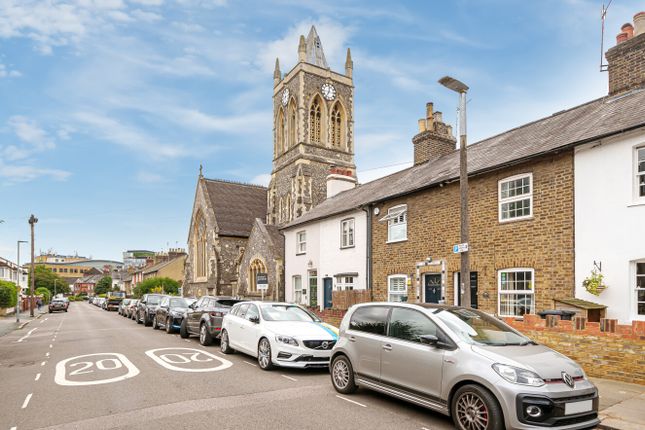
pixel 255 320
pixel 429 339
pixel 191 306
pixel 143 302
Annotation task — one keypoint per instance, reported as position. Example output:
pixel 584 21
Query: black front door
pixel 433 288
pixel 473 289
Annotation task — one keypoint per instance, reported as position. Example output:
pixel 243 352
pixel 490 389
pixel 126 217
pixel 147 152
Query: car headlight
pixel 286 340
pixel 517 375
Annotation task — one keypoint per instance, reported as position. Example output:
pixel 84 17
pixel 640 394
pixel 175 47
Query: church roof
pixel 315 54
pixel 236 205
pixel 563 130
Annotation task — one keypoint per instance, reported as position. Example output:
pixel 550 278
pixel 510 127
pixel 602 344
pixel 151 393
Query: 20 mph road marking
pixel 28 334
pixel 27 399
pixel 351 401
pixel 188 360
pixel 109 362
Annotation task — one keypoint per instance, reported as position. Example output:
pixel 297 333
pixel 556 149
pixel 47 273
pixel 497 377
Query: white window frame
pixel 391 293
pixel 295 280
pixel 396 215
pixel 635 290
pixel 344 283
pixel 351 233
pixel 501 201
pixel 501 292
pixel 637 175
pixel 301 242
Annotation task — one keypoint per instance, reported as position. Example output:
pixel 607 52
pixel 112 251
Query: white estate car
pixel 278 334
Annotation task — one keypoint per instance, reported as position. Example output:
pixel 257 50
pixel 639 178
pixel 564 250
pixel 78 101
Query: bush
pixel 8 294
pixel 42 291
pixel 72 298
pixel 156 285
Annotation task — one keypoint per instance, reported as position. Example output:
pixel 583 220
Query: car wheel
pixel 264 354
pixel 65 310
pixel 146 320
pixel 154 323
pixel 138 317
pixel 204 336
pixel 183 330
pixel 475 408
pixel 224 344
pixel 168 326
pixel 342 375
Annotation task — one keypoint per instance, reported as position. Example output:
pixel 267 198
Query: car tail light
pixel 217 314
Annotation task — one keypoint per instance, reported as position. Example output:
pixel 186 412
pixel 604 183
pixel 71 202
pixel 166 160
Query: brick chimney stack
pixel 626 60
pixel 434 139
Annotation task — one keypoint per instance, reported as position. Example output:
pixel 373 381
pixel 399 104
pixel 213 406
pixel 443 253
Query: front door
pixel 473 289
pixel 432 287
pixel 313 289
pixel 327 283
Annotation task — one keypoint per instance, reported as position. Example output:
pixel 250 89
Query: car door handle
pixel 352 339
pixel 387 347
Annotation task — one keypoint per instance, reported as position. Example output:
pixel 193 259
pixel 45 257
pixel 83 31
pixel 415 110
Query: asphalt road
pixel 92 369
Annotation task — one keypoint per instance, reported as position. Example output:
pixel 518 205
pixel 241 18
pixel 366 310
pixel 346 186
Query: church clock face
pixel 328 91
pixel 285 96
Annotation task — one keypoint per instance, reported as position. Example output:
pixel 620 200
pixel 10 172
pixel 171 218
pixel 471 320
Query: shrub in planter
pixel 8 294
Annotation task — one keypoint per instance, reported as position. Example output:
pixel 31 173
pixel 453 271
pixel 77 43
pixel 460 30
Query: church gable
pixel 236 206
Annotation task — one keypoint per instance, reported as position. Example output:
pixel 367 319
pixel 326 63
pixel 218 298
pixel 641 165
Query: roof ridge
pixel 229 181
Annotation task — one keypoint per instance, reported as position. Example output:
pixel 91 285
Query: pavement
pixel 92 369
pixel 8 323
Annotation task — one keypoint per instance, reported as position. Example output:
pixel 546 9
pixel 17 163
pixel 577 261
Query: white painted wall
pixel 609 221
pixel 325 253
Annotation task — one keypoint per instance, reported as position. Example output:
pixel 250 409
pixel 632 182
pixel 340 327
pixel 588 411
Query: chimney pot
pixel 639 23
pixel 438 117
pixel 629 29
pixel 422 125
pixel 621 37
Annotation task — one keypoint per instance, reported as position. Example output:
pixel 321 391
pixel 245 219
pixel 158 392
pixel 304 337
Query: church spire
pixel 349 64
pixel 315 53
pixel 276 73
pixel 302 49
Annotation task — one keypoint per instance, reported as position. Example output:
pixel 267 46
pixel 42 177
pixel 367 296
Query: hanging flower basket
pixel 594 283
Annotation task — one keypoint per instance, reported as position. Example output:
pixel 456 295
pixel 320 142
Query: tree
pixel 8 294
pixel 104 285
pixel 161 285
pixel 45 278
pixel 42 291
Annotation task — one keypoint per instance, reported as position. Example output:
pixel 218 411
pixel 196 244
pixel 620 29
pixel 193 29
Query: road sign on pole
pixel 262 282
pixel 459 248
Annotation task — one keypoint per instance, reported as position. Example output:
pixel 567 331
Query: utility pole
pixel 19 272
pixel 464 273
pixel 32 221
pixel 55 287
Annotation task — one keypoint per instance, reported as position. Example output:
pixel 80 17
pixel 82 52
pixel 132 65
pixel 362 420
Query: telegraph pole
pixel 32 221
pixel 19 271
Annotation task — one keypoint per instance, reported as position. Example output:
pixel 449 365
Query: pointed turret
pixel 315 53
pixel 277 75
pixel 349 64
pixel 302 49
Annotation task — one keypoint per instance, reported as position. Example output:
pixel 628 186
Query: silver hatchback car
pixel 463 363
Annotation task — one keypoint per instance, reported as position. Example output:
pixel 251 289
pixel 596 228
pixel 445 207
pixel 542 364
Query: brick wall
pixel 543 243
pixel 604 350
pixel 330 316
pixel 626 65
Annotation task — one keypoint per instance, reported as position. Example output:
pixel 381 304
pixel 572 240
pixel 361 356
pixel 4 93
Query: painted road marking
pixel 43 363
pixel 350 401
pixel 27 399
pixel 13 428
pixel 105 363
pixel 51 346
pixel 186 340
pixel 289 378
pixel 28 334
pixel 47 354
pixel 37 377
pixel 250 364
pixel 188 360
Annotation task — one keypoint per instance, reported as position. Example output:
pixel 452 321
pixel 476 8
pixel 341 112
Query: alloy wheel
pixel 223 343
pixel 202 333
pixel 340 374
pixel 264 354
pixel 472 412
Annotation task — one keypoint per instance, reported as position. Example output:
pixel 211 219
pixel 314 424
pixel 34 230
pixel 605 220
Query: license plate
pixel 578 407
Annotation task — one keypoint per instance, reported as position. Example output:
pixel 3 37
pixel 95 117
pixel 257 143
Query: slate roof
pixel 161 265
pixel 91 279
pixel 591 121
pixel 236 206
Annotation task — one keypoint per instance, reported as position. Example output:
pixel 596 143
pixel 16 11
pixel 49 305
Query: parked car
pixel 279 334
pixel 113 300
pixel 204 318
pixel 57 305
pixel 147 307
pixel 462 363
pixel 131 310
pixel 123 305
pixel 171 312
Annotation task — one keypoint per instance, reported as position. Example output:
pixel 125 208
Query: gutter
pixel 368 253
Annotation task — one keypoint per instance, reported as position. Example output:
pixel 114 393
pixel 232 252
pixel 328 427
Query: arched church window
pixel 292 124
pixel 256 266
pixel 280 132
pixel 337 126
pixel 200 243
pixel 288 208
pixel 315 120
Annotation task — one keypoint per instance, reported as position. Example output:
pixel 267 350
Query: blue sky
pixel 107 107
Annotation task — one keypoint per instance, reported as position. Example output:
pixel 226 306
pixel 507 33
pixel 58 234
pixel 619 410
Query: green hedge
pixel 8 294
pixel 47 295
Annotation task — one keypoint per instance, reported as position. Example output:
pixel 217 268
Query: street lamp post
pixel 32 221
pixel 19 273
pixel 461 88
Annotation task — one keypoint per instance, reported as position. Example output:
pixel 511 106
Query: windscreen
pixel 178 303
pixel 226 302
pixel 286 313
pixel 479 328
pixel 154 300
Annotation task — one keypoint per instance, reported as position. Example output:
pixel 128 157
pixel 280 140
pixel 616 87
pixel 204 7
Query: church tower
pixel 313 131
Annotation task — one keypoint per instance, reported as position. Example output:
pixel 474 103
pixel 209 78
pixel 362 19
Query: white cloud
pixel 148 2
pixel 244 123
pixel 8 73
pixel 33 139
pixel 262 179
pixel 150 178
pixel 23 173
pixel 334 37
pixel 145 16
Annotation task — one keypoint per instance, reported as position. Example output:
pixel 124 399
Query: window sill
pixel 347 247
pixel 524 218
pixel 301 253
pixel 636 203
pixel 397 241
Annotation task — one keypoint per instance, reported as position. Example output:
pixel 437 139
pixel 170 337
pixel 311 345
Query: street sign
pixel 459 248
pixel 262 281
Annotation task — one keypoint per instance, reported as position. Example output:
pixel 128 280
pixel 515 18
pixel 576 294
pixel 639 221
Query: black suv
pixel 204 318
pixel 147 307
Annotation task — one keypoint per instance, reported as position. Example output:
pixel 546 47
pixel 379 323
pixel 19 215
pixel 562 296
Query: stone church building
pixel 233 233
